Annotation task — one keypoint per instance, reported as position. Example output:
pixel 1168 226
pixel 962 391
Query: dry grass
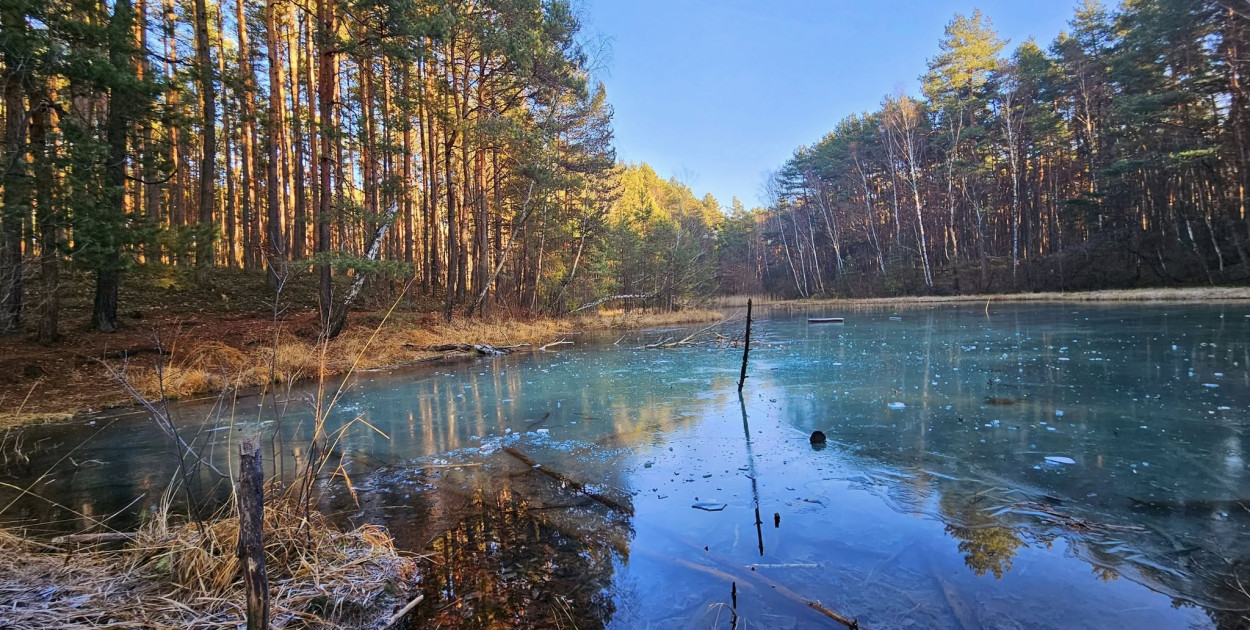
pixel 213 366
pixel 177 577
pixel 9 420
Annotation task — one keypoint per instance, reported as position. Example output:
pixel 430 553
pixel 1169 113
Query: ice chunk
pixel 896 405
pixel 1059 459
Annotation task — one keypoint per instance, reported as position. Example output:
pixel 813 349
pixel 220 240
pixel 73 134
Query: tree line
pixel 1117 156
pixel 462 150
pixel 458 144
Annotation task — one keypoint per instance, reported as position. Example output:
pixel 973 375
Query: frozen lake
pixel 1057 466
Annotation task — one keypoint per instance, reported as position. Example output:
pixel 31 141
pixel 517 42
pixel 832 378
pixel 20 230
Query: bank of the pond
pixel 1163 295
pixel 204 353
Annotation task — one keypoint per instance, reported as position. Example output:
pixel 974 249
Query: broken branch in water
pixel 731 572
pixel 561 342
pixel 479 348
pixel 690 339
pixel 1069 521
pixel 403 611
pixel 822 609
pixel 576 486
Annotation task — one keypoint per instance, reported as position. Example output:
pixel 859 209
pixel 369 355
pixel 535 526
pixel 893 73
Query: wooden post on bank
pixel 746 348
pixel 251 505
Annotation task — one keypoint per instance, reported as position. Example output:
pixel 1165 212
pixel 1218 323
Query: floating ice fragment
pixel 1058 413
pixel 1210 385
pixel 1059 459
pixel 543 431
pixel 896 405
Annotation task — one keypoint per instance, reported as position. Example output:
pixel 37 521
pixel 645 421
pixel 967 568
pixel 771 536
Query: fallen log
pixel 576 486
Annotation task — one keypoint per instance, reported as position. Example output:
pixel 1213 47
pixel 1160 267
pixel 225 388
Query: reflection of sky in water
pixel 910 514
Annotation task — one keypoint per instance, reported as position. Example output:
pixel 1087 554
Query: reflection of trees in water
pixel 987 543
pixel 1174 554
pixel 1232 583
pixel 987 549
pixel 507 564
pixel 505 545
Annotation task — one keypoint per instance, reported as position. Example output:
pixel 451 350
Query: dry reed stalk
pixel 174 576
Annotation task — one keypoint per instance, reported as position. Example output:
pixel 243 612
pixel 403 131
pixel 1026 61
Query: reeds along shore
pixel 206 360
pixel 176 576
pixel 213 366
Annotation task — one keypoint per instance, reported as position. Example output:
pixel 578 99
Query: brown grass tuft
pixel 178 577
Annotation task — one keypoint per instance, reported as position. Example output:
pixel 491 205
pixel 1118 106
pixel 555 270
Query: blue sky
pixel 718 92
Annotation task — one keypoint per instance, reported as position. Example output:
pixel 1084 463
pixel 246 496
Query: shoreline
pixel 200 367
pixel 242 348
pixel 1146 296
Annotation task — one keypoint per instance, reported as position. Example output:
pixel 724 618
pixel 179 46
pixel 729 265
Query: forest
pixel 348 314
pixel 463 151
pixel 1117 156
pixel 458 146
